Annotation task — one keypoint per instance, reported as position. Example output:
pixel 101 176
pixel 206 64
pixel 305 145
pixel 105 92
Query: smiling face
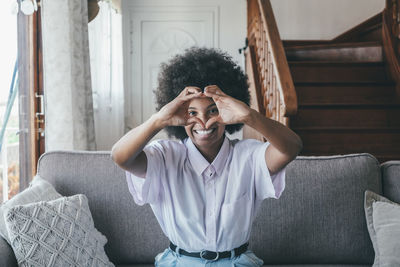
pixel 206 140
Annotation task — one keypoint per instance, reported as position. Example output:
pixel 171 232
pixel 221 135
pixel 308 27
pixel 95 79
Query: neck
pixel 211 152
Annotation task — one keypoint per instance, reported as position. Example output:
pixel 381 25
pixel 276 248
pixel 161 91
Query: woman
pixel 205 189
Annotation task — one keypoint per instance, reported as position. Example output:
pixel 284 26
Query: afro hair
pixel 200 67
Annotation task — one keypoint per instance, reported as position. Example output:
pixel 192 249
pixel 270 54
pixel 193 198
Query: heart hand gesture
pixel 231 110
pixel 175 113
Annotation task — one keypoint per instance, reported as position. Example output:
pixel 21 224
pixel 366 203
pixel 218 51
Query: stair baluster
pixel 277 88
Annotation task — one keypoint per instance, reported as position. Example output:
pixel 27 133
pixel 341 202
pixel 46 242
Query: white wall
pixel 321 19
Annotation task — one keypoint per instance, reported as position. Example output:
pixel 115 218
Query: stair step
pixel 288 44
pixel 370 29
pixel 339 83
pixel 359 51
pixel 345 94
pixel 350 72
pixel 347 116
pixel 341 141
pixel 330 45
pixel 391 104
pixel 351 129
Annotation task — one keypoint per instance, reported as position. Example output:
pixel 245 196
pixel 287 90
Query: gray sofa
pixel 318 221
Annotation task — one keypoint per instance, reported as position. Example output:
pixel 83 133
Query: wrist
pixel 251 117
pixel 157 122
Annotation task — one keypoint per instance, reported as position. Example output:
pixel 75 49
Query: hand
pixel 231 110
pixel 175 113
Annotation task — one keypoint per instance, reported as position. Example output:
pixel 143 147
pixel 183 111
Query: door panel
pixel 156 30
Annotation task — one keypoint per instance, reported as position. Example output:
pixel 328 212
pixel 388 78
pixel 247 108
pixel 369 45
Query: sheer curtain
pixel 66 76
pixel 106 53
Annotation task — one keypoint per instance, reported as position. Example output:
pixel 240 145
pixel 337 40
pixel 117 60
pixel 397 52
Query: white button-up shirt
pixel 201 205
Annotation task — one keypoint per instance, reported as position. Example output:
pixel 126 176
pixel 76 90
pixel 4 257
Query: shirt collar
pixel 199 163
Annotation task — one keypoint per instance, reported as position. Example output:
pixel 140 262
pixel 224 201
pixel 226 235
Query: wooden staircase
pixel 347 100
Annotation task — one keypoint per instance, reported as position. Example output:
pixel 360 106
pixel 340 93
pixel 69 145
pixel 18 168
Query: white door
pixel 155 30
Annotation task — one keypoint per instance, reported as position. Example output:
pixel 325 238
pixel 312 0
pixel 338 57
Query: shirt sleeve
pixel 267 186
pixel 147 190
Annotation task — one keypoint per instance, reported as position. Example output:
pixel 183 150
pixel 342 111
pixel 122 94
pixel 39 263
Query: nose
pixel 204 118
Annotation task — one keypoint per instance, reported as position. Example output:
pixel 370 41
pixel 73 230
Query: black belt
pixel 211 255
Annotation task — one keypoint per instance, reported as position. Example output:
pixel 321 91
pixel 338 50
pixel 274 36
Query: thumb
pixel 194 120
pixel 211 121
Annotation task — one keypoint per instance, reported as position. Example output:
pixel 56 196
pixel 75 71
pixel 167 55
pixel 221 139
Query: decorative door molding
pixel 155 30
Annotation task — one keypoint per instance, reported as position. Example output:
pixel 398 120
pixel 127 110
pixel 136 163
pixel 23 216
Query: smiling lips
pixel 204 133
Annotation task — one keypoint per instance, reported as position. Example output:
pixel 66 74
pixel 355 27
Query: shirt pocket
pixel 236 215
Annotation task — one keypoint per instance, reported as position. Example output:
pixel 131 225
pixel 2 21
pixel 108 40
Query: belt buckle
pixel 203 255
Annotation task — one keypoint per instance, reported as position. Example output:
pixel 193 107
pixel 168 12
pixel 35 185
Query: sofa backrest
pixel 391 180
pixel 133 233
pixel 318 219
pixel 320 216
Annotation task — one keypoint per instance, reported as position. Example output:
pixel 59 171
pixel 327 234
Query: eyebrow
pixel 206 108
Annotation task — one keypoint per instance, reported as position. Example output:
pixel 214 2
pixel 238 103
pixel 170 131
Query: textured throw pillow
pixel 60 232
pixel 383 221
pixel 38 190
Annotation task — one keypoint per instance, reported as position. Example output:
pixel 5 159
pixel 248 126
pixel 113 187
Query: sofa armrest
pixel 7 257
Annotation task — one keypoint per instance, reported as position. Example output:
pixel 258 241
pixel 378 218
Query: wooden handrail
pixel 275 84
pixel 391 39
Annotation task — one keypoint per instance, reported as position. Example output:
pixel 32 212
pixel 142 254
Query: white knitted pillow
pixel 38 190
pixel 60 232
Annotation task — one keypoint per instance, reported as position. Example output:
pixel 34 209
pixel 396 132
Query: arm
pixel 128 151
pixel 284 143
pixel 284 146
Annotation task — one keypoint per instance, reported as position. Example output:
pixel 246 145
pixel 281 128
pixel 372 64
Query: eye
pixel 192 113
pixel 213 111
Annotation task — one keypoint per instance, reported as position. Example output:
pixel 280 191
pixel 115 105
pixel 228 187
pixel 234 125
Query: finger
pixel 214 89
pixel 182 99
pixel 194 90
pixel 214 96
pixel 212 121
pixel 191 96
pixel 191 90
pixel 185 91
pixel 194 120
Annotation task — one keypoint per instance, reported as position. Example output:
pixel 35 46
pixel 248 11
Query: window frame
pixel 30 72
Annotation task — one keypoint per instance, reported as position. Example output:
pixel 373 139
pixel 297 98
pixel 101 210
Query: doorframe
pixel 30 91
pixel 220 10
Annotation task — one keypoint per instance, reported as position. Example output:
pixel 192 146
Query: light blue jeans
pixel 170 258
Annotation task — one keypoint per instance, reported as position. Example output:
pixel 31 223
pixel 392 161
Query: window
pixel 23 141
pixel 9 156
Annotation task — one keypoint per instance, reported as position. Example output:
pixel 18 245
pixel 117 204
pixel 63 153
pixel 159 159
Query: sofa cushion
pixel 7 257
pixel 383 220
pixel 321 265
pixel 297 265
pixel 391 180
pixel 38 190
pixel 318 219
pixel 56 233
pixel 320 215
pixel 133 233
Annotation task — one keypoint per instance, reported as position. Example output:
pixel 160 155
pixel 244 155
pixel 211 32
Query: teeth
pixel 204 132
